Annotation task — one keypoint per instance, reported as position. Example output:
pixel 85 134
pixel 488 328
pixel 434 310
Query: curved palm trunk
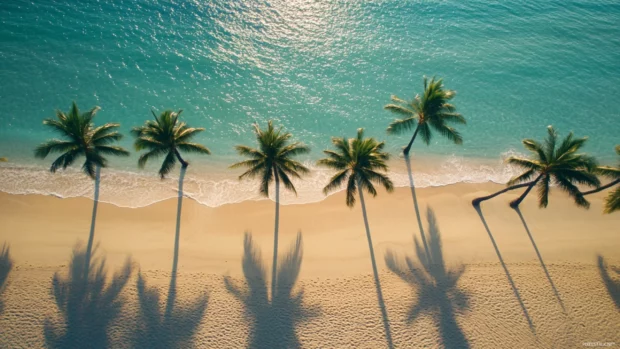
pixel 515 203
pixel 184 163
pixel 175 259
pixel 91 237
pixel 415 206
pixel 386 323
pixel 275 238
pixel 601 188
pixel 408 147
pixel 476 202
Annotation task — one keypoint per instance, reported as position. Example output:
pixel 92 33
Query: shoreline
pixel 215 186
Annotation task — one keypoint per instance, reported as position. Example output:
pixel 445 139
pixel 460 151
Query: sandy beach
pixel 480 288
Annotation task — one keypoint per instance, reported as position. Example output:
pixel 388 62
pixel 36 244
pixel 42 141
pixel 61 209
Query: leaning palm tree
pixel 168 136
pixel 562 164
pixel 359 163
pixel 82 138
pixel 273 162
pixel 431 111
pixel 612 202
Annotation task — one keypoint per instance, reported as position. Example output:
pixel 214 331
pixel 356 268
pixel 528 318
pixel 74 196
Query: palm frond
pixel 267 177
pixel 399 126
pixel 572 191
pixel 66 159
pixel 169 161
pixel 286 181
pixel 151 154
pixel 111 150
pixel 608 171
pixel 425 133
pixel 448 132
pixel 524 163
pixel 193 148
pixel 524 177
pixel 535 147
pixel 336 181
pixel 54 146
pixel 253 170
pixel 612 201
pixel 350 192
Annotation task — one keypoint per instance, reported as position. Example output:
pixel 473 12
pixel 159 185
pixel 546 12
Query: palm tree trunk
pixel 476 202
pixel 275 238
pixel 175 259
pixel 91 237
pixel 415 206
pixel 601 188
pixel 386 323
pixel 408 147
pixel 183 162
pixel 515 203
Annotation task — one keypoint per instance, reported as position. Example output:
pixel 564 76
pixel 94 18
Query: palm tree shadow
pixel 438 292
pixel 612 284
pixel 87 306
pixel 175 328
pixel 508 276
pixel 6 265
pixel 415 205
pixel 273 323
pixel 542 263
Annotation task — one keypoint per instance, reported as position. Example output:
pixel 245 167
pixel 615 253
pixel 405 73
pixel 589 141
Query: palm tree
pixel 272 162
pixel 360 162
pixel 82 138
pixel 432 110
pixel 562 164
pixel 612 202
pixel 167 135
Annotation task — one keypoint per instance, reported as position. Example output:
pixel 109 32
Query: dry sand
pixel 327 298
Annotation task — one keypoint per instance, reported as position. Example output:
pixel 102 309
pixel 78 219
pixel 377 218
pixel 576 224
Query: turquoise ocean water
pixel 319 68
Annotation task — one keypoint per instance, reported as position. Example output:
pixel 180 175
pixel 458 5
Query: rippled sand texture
pixel 339 313
pixel 545 279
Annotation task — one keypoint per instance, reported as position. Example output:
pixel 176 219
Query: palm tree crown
pixel 359 161
pixel 80 138
pixel 273 158
pixel 166 135
pixel 561 163
pixel 612 202
pixel 432 110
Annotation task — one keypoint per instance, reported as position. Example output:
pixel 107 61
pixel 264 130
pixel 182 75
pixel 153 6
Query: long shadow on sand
pixel 415 205
pixel 437 290
pixel 542 263
pixel 501 260
pixel 175 327
pixel 272 323
pixel 86 304
pixel 6 265
pixel 611 283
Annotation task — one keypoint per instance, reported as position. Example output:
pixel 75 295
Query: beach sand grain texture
pixel 326 294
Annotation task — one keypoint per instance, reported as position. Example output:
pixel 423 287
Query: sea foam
pixel 218 187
